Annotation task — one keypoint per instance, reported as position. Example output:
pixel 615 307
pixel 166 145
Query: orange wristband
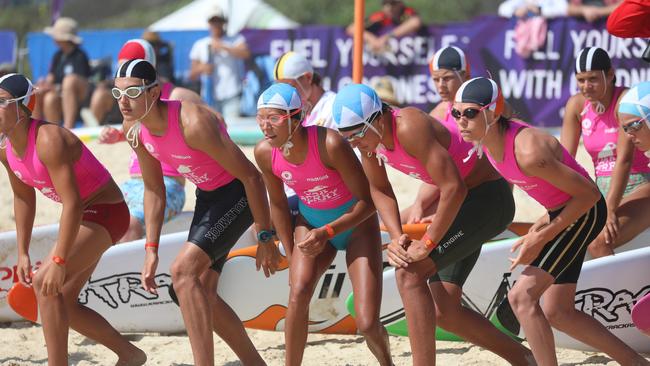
pixel 330 231
pixel 428 243
pixel 58 260
pixel 151 245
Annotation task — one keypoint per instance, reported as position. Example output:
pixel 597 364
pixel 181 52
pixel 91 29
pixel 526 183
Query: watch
pixel 264 236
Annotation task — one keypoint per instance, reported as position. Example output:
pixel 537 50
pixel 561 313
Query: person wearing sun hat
pixel 218 61
pixel 431 272
pixel 553 250
pixel 66 85
pixel 335 213
pixel 43 156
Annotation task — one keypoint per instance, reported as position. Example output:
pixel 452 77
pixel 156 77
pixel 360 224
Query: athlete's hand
pixel 529 245
pixel 53 277
pixel 415 214
pixel 539 224
pixel 24 269
pixel 268 258
pixel 417 251
pixel 314 242
pixel 611 228
pixel 396 252
pixel 110 135
pixel 149 270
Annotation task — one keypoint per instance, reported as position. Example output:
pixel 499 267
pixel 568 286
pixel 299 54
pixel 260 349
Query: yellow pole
pixel 357 55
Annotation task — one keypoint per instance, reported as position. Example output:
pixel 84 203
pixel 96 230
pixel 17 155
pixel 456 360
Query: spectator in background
pixel 164 55
pixel 526 8
pixel 218 60
pixel 395 19
pixel 591 10
pixel 630 19
pixel 66 86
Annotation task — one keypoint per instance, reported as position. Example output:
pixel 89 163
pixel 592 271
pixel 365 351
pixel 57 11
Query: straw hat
pixel 64 29
pixel 384 89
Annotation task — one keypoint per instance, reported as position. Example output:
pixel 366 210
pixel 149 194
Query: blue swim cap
pixel 636 101
pixel 280 96
pixel 354 105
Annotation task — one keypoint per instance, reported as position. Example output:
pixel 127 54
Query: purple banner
pixel 537 88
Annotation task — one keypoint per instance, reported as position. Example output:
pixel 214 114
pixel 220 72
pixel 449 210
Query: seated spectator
pixel 591 10
pixel 218 60
pixel 630 19
pixel 395 19
pixel 66 86
pixel 164 55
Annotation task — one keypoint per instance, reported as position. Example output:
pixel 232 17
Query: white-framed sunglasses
pixel 4 103
pixel 131 92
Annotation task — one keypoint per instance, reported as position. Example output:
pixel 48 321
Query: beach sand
pixel 22 343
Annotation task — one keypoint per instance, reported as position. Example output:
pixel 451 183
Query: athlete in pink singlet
pixel 427 276
pixel 133 188
pixel 43 156
pixel 449 68
pixel 622 172
pixel 336 213
pixel 553 250
pixel 230 196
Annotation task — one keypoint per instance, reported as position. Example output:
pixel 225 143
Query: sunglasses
pixel 362 133
pixel 276 119
pixel 633 126
pixel 131 92
pixel 469 113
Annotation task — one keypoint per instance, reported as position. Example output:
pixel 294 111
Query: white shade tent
pixel 240 13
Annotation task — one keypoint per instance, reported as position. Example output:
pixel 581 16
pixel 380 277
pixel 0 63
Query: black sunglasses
pixel 469 113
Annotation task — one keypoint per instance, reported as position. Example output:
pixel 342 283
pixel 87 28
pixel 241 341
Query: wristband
pixel 151 245
pixel 330 231
pixel 58 260
pixel 428 243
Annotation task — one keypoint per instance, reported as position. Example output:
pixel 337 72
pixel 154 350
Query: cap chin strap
pixel 286 147
pixel 478 147
pixel 3 137
pixel 133 132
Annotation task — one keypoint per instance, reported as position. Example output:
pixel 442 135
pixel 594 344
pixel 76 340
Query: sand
pixel 22 343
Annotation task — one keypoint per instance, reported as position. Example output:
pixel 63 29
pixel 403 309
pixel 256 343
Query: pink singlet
pixel 171 148
pixel 90 174
pixel 316 185
pixel 168 170
pixel 399 159
pixel 542 191
pixel 600 135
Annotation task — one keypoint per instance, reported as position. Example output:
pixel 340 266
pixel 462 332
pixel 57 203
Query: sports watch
pixel 264 236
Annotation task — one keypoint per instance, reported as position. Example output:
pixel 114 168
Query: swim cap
pixel 591 59
pixel 138 68
pixel 482 91
pixel 449 58
pixel 636 101
pixel 291 65
pixel 20 88
pixel 138 49
pixel 280 96
pixel 354 105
